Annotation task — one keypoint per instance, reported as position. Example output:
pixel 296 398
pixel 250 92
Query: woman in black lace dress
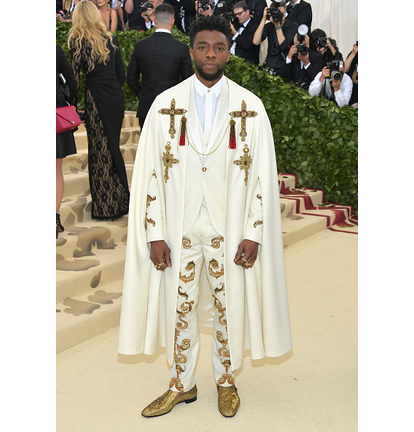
pixel 96 52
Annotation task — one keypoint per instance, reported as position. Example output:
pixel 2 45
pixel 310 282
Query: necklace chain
pixel 207 154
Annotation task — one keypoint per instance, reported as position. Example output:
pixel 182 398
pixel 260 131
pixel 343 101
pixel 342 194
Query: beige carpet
pixel 312 388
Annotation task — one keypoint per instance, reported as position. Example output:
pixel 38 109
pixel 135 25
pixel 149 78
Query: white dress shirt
pixel 342 96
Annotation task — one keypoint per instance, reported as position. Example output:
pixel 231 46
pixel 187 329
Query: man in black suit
pixel 243 37
pixel 300 12
pixel 302 64
pixel 162 60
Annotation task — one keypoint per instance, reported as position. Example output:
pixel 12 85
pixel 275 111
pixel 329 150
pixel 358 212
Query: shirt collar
pixel 162 30
pixel 201 89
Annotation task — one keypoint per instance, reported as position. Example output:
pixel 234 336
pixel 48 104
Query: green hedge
pixel 314 138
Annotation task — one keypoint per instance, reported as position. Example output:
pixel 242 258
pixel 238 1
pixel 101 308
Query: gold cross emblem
pixel 244 163
pixel 169 160
pixel 172 112
pixel 243 114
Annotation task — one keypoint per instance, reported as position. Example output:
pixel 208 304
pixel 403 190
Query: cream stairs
pixel 90 254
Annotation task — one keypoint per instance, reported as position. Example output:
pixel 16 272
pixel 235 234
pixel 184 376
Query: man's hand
pixel 293 50
pixel 326 72
pixel 160 255
pixel 246 254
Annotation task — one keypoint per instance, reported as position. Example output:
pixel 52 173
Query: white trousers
pixel 201 245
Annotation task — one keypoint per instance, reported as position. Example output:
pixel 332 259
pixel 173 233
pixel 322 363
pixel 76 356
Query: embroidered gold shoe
pixel 165 403
pixel 228 400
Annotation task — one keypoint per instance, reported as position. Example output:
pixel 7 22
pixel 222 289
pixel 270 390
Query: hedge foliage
pixel 314 138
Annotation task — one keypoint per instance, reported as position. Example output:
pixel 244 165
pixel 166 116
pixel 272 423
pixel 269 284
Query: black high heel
pixel 59 226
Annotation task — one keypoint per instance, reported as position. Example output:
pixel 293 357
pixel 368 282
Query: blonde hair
pixel 87 25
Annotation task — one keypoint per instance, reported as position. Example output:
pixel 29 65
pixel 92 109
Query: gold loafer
pixel 228 400
pixel 165 403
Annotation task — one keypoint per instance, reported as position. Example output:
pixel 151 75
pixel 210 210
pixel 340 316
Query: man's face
pixel 241 15
pixel 210 55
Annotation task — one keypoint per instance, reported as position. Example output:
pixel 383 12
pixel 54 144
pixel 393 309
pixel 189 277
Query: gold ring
pixel 158 266
pixel 243 259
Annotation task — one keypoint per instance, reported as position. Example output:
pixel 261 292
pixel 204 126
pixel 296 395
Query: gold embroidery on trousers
pixel 244 163
pixel 259 197
pixel 179 358
pixel 215 242
pixel 221 310
pixel 257 223
pixel 169 160
pixel 214 265
pixel 189 267
pixel 186 243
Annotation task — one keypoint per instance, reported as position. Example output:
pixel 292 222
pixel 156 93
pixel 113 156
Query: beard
pixel 209 76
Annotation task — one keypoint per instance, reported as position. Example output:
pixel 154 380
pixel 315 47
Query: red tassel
pixel 232 138
pixel 183 131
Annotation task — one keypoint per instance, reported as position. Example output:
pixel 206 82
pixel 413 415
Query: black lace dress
pixel 104 112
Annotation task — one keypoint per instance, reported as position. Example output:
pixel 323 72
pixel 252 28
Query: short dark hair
pixel 241 4
pixel 164 10
pixel 210 23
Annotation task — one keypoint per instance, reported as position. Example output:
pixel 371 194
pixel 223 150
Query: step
pixel 87 315
pixel 79 161
pixel 77 183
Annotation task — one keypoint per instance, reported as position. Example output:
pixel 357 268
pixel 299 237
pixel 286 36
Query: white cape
pixel 256 299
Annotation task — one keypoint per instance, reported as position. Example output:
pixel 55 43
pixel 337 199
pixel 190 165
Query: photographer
pixel 351 68
pixel 302 64
pixel 243 37
pixel 280 33
pixel 332 83
pixel 135 20
pixel 325 45
pixel 300 11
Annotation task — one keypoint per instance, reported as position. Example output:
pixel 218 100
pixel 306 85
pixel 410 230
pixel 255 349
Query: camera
pixel 302 49
pixel 144 6
pixel 204 4
pixel 275 12
pixel 334 66
pixel 321 41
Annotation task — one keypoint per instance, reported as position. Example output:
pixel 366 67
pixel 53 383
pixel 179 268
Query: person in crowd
pixel 324 45
pixel 243 45
pixel 95 51
pixel 65 142
pixel 161 60
pixel 333 84
pixel 148 14
pixel 64 9
pixel 302 63
pixel 135 20
pixel 108 14
pixel 122 15
pixel 300 11
pixel 351 68
pixel 279 32
pixel 256 8
pixel 205 195
pixel 187 14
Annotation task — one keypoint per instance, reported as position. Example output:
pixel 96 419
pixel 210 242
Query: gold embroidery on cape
pixel 191 268
pixel 257 223
pixel 244 163
pixel 149 221
pixel 244 114
pixel 172 112
pixel 150 199
pixel 217 290
pixel 168 160
pixel 215 242
pixel 214 265
pixel 186 243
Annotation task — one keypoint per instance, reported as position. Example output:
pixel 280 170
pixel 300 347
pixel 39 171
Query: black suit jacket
pixel 292 72
pixel 163 62
pixel 302 14
pixel 244 43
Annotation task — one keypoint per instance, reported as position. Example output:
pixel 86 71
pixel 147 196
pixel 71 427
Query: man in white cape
pixel 205 223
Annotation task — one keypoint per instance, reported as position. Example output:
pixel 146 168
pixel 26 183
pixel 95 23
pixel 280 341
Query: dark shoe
pixel 165 403
pixel 228 400
pixel 59 226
